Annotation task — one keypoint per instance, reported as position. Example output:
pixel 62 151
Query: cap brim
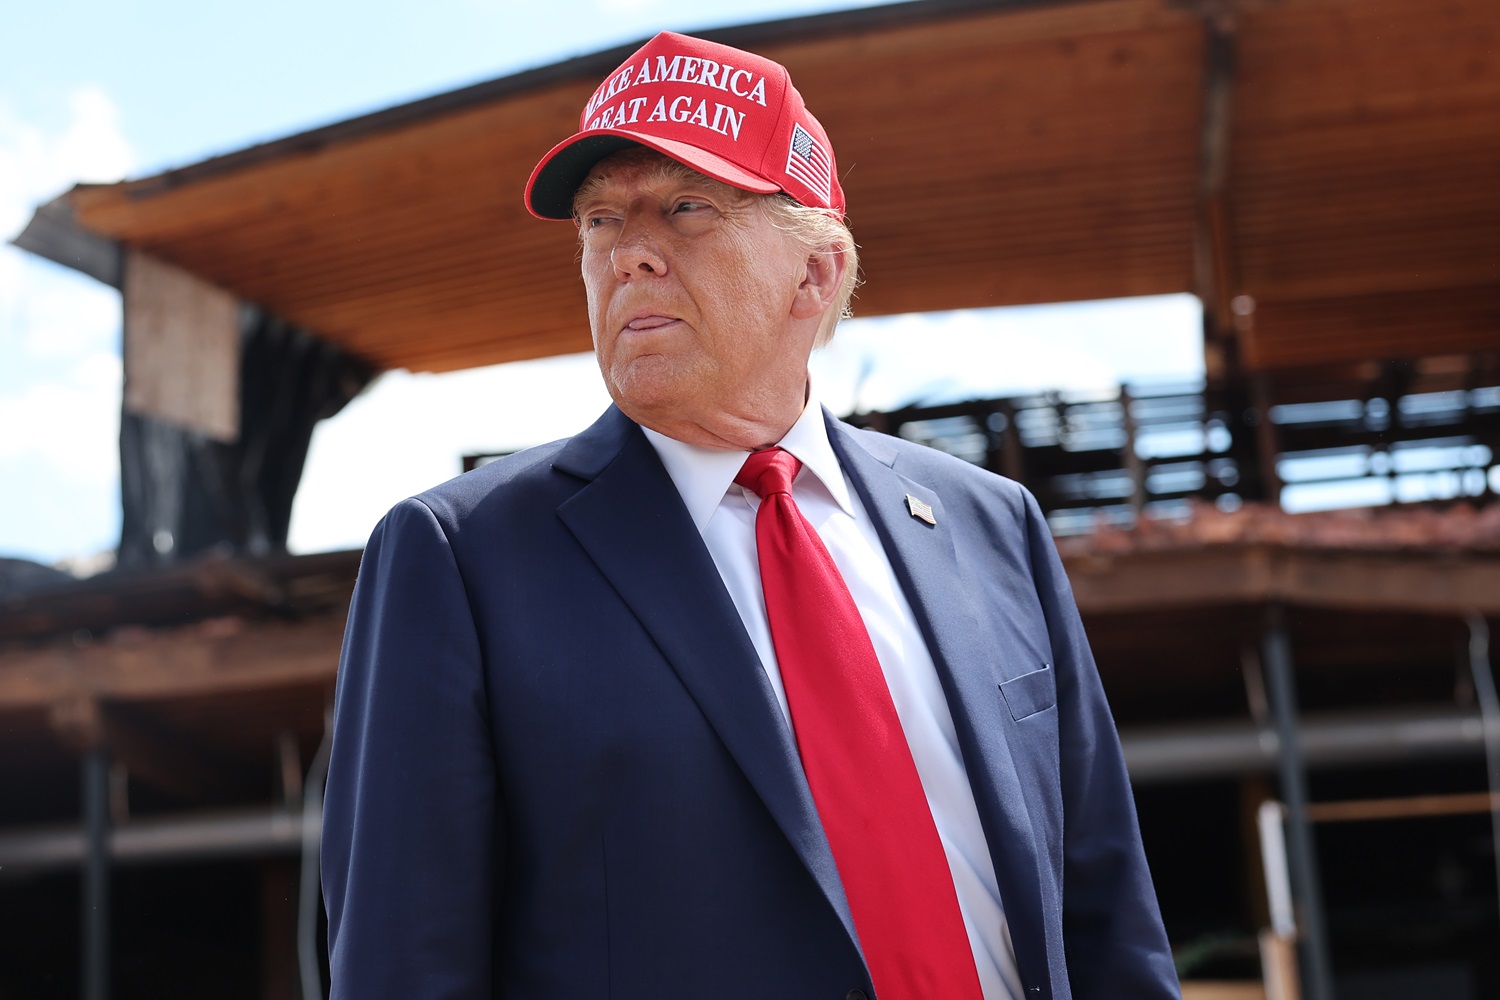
pixel 549 192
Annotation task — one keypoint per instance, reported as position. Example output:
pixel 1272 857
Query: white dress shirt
pixel 724 514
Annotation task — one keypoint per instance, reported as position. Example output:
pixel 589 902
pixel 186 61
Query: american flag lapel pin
pixel 920 509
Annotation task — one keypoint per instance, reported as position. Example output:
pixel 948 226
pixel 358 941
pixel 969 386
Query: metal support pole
pixel 1303 859
pixel 1489 707
pixel 95 908
pixel 309 896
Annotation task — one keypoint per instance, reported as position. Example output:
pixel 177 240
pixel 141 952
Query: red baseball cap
pixel 727 113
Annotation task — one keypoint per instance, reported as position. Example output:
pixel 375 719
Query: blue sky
pixel 96 91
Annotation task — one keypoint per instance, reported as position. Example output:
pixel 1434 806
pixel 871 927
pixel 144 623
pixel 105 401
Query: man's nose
pixel 637 252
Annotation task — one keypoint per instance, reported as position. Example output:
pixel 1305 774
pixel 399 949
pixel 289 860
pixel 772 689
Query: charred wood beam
pixel 1420 582
pixel 1262 471
pixel 149 751
pixel 225 656
pixel 54 233
pixel 300 586
pixel 1134 466
pixel 1226 316
pixel 1213 259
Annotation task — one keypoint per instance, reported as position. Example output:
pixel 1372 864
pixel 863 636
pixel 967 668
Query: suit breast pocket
pixel 1030 693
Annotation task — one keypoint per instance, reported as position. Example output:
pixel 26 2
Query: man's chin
pixel 648 386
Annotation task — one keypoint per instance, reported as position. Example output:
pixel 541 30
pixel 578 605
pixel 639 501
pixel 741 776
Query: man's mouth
pixel 650 322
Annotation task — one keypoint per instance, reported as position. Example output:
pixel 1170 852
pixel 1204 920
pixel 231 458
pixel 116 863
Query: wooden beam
pixel 1225 990
pixel 1213 263
pixel 225 656
pixel 1403 808
pixel 1422 583
pixel 1267 440
pixel 1391 323
pixel 78 722
pixel 147 750
pixel 186 768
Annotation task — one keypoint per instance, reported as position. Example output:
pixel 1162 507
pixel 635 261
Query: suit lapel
pixel 631 520
pixel 936 586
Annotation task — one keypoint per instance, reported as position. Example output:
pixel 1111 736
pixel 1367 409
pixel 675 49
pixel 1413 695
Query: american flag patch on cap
pixel 809 163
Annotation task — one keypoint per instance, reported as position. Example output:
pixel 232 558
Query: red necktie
pixel 854 752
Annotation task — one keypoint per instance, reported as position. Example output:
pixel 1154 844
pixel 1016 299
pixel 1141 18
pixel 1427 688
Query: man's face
pixel 691 292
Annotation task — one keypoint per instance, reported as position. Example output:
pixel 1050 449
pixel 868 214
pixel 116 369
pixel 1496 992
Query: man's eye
pixel 689 205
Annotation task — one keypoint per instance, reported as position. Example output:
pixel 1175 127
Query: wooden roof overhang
pixel 1335 161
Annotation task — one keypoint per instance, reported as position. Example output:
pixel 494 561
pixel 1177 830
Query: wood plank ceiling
pixel 993 155
pixel 1366 179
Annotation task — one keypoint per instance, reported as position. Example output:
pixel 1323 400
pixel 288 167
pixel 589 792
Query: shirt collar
pixel 703 475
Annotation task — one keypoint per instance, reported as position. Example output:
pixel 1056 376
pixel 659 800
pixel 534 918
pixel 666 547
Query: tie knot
pixel 769 471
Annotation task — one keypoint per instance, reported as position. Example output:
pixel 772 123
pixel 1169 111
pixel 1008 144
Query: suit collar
pixel 703 475
pixel 587 454
pixel 631 520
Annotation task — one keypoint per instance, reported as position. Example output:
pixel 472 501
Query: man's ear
pixel 820 284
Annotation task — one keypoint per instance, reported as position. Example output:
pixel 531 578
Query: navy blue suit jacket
pixel 559 770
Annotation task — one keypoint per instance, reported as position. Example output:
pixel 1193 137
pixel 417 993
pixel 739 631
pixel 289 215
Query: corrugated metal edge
pixel 53 234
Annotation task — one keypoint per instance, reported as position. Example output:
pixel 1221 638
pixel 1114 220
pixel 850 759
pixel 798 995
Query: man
pixel 722 697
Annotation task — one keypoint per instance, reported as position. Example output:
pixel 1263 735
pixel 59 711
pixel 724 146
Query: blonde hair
pixel 820 232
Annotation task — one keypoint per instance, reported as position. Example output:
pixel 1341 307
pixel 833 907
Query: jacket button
pixel 855 995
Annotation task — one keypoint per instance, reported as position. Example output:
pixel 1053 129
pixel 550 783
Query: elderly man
pixel 722 697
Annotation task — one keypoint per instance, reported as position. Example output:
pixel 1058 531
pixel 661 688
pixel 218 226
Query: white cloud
pixel 70 423
pixel 93 149
pixel 56 314
pixel 36 165
pixel 46 312
pixel 409 432
pixel 887 362
pixel 60 377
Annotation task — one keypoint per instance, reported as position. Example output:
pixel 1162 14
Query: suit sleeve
pixel 411 834
pixel 1112 929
